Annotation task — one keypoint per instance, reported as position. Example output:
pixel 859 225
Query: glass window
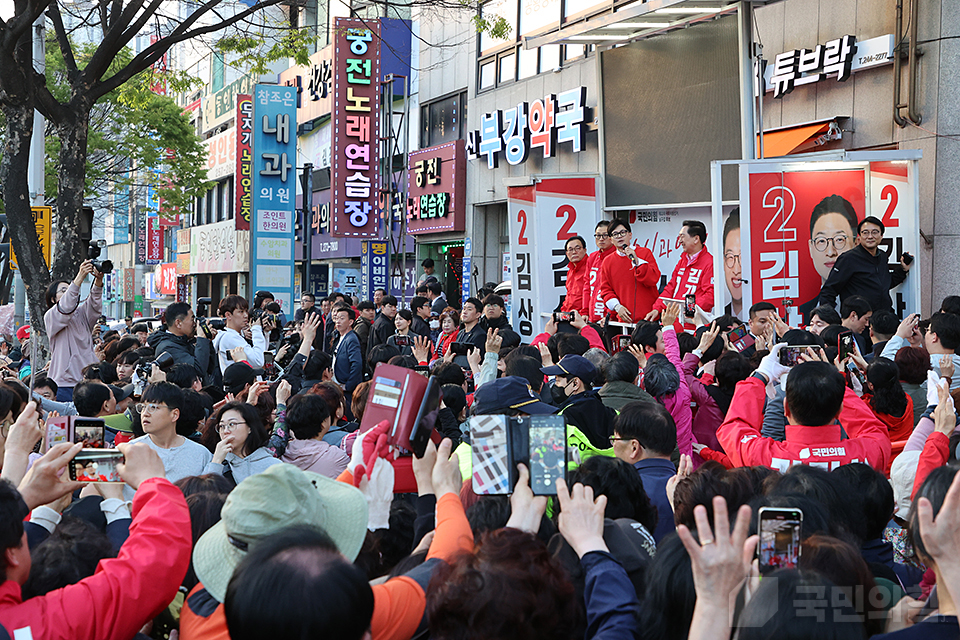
pixel 488 76
pixel 528 63
pixel 538 15
pixel 578 8
pixel 571 51
pixel 508 68
pixel 442 120
pixel 217 71
pixel 549 57
pixel 493 10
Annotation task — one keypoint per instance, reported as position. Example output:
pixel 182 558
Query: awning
pixel 786 140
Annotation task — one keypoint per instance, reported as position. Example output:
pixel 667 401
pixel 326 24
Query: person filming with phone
pixel 69 324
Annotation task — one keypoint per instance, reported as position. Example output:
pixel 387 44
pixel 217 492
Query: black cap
pixel 239 374
pixel 121 393
pixel 510 392
pixel 573 366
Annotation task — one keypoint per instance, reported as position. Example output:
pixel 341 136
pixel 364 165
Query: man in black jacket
pixel 178 340
pixel 420 308
pixel 383 328
pixel 864 271
pixel 572 390
pixel 363 325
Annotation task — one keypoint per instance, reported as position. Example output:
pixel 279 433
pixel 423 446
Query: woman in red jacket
pixel 886 397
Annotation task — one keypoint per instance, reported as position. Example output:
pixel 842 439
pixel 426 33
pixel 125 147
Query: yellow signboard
pixel 42 220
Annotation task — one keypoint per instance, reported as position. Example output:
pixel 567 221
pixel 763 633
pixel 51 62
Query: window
pixel 443 120
pixel 217 72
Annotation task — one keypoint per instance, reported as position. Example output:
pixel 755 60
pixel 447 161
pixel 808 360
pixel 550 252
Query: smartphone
pixel 621 343
pixel 268 357
pixel 856 373
pixel 426 420
pixel 779 546
pixel 845 344
pixel 740 338
pixel 96 465
pixel 547 450
pixel 403 341
pixel 89 432
pixel 907 258
pixel 790 355
pixel 563 316
pixel 461 348
pixel 491 456
pixel 689 305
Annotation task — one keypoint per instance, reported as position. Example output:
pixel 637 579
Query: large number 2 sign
pixel 568 212
pixel 891 196
pixel 522 219
pixel 783 200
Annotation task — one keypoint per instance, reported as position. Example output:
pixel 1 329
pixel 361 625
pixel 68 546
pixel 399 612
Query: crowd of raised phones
pixel 723 479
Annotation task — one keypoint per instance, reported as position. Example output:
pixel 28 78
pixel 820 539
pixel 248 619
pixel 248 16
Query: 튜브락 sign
pixel 840 57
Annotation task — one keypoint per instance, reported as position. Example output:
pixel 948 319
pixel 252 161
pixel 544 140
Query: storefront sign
pixel 154 239
pixel 219 248
pixel 244 156
pixel 128 284
pixel 43 222
pixel 346 279
pixel 436 188
pixel 168 278
pixel 467 265
pixel 356 117
pixel 183 263
pixel 221 154
pixel 838 58
pixel 183 288
pixel 314 85
pixel 121 215
pixel 545 124
pixel 218 107
pixel 140 223
pixel 183 240
pixel 274 192
pixel 373 267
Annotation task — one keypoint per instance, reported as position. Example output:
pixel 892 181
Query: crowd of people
pixel 253 504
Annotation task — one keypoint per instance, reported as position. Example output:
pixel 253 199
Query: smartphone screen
pixel 738 333
pixel 491 460
pixel 96 465
pixel 790 355
pixel 621 343
pixel 268 357
pixel 845 344
pixel 779 546
pixel 89 432
pixel 548 436
pixel 690 305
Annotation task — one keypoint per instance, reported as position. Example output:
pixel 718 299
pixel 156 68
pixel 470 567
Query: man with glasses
pixel 591 288
pixel 576 250
pixel 159 410
pixel 864 270
pixel 629 278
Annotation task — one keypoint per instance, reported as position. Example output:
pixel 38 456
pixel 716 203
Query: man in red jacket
pixel 591 288
pixel 126 591
pixel 629 278
pixel 576 250
pixel 693 274
pixel 815 396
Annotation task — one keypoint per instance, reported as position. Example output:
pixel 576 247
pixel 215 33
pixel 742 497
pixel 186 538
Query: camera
pixel 93 252
pixel 205 323
pixel 164 361
pixel 293 341
pixel 461 348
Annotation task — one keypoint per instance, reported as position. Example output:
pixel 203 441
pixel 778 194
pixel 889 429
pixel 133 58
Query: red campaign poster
pixel 800 222
pixel 154 239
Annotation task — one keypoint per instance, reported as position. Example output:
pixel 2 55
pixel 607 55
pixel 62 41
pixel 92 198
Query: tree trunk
pixel 71 247
pixel 16 199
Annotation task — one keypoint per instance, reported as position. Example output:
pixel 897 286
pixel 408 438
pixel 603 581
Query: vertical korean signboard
pixel 244 175
pixel 140 231
pixel 356 114
pixel 521 208
pixel 154 240
pixel 373 267
pixel 274 191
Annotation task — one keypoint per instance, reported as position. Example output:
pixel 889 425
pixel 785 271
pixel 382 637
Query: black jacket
pixel 361 327
pixel 477 337
pixel 858 273
pixel 195 352
pixel 587 413
pixel 382 329
pixel 420 327
pixel 500 323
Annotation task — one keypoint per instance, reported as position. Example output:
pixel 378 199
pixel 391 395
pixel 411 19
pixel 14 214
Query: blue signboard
pixel 273 225
pixel 466 267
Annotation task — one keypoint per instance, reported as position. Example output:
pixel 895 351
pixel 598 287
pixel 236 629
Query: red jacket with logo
pixel 739 435
pixel 633 287
pixel 591 286
pixel 576 277
pixel 126 591
pixel 695 277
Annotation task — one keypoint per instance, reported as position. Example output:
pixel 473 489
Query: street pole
pixel 307 226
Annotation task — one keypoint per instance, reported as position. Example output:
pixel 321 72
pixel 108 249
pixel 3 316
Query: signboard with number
pixel 356 114
pixel 274 192
pixel 42 221
pixel 521 210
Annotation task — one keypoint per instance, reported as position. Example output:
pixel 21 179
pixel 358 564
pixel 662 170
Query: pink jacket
pixel 708 417
pixel 678 404
pixel 316 456
pixel 69 323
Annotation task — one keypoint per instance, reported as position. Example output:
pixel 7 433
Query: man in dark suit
pixel 383 327
pixel 420 308
pixel 347 358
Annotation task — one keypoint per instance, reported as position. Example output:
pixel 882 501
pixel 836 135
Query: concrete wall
pixel 867 97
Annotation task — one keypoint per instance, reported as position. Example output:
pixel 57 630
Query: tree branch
pixel 14 29
pixel 113 40
pixel 65 49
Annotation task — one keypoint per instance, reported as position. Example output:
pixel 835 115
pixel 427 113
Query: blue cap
pixel 573 366
pixel 510 392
